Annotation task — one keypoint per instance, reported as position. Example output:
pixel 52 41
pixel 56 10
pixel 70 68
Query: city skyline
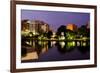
pixel 56 19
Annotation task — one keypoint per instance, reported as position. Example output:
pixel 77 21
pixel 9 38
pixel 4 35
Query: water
pixel 44 51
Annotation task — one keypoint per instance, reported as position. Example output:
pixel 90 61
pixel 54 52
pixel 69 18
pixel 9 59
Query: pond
pixel 45 51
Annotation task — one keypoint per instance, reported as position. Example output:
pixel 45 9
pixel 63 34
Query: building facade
pixel 71 27
pixel 25 25
pixel 34 26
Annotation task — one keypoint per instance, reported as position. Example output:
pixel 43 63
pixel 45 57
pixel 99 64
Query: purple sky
pixel 56 19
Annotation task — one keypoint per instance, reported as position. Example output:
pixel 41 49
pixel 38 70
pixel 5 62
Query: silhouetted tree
pixel 84 31
pixel 62 28
pixel 49 34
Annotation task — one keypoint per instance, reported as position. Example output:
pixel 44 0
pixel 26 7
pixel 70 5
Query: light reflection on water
pixel 42 48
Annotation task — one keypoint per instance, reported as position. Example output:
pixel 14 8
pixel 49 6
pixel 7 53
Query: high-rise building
pixel 71 27
pixel 38 26
pixel 35 26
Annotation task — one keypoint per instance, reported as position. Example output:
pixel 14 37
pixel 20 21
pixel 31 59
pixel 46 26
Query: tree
pixel 49 34
pixel 84 31
pixel 61 29
pixel 71 34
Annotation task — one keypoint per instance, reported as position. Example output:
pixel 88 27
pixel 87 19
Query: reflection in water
pixel 52 43
pixel 78 43
pixel 83 49
pixel 64 47
pixel 62 44
pixel 38 48
pixel 23 52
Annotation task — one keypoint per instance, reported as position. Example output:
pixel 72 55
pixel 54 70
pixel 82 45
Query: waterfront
pixel 58 36
pixel 43 50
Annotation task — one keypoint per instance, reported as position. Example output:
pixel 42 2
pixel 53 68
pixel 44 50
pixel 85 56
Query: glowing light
pixel 27 43
pixel 84 44
pixel 30 35
pixel 73 43
pixel 78 43
pixel 62 44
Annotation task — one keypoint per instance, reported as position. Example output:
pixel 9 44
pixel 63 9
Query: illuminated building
pixel 34 26
pixel 72 27
pixel 39 26
pixel 25 25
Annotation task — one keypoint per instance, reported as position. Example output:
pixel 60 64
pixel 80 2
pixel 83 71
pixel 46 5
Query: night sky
pixel 56 19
